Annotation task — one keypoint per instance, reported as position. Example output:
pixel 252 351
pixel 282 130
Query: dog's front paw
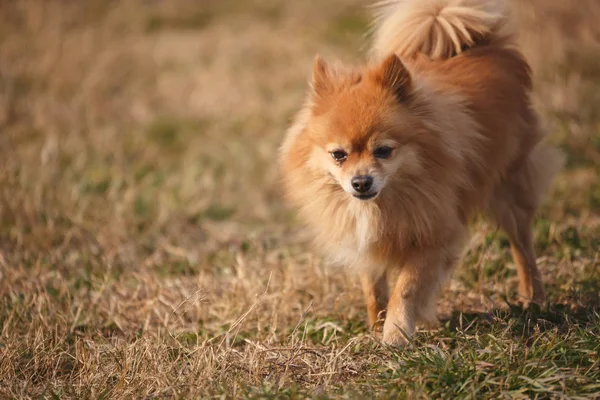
pixel 533 293
pixel 396 339
pixel 395 334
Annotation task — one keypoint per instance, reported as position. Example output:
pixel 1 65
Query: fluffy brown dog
pixel 387 162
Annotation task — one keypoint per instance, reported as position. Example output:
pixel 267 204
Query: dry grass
pixel 145 251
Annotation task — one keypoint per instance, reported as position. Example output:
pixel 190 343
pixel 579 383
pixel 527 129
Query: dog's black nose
pixel 362 183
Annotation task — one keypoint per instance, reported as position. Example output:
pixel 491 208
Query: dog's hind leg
pixel 513 206
pixel 516 222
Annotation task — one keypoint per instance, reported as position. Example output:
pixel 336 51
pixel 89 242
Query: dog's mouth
pixel 367 196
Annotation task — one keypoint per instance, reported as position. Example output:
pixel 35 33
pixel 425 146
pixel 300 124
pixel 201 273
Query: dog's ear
pixel 321 78
pixel 393 75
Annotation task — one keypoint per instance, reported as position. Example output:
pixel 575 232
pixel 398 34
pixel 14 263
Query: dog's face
pixel 362 132
pixel 362 171
pixel 363 166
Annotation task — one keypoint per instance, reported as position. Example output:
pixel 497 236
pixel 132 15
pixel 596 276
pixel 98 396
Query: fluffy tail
pixel 438 28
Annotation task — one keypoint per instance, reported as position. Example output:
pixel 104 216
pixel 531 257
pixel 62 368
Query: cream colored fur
pixel 438 28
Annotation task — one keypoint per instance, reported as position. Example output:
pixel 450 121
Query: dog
pixel 387 162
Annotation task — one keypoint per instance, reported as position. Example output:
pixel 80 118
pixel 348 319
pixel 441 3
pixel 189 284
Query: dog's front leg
pixel 376 294
pixel 414 296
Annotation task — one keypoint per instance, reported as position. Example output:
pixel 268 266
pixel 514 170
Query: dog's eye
pixel 339 155
pixel 382 152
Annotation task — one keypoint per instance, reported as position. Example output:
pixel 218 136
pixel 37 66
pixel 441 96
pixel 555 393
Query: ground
pixel 145 251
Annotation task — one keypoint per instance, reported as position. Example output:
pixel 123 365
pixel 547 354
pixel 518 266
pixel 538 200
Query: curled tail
pixel 438 28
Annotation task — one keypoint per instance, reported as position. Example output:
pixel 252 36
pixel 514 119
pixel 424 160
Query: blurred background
pixel 138 141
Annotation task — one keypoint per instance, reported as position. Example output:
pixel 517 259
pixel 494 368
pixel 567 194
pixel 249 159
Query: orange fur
pixel 463 139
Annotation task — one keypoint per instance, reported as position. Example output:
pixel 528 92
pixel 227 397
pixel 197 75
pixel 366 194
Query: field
pixel 145 251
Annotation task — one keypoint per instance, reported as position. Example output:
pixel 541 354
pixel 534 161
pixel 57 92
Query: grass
pixel 145 251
